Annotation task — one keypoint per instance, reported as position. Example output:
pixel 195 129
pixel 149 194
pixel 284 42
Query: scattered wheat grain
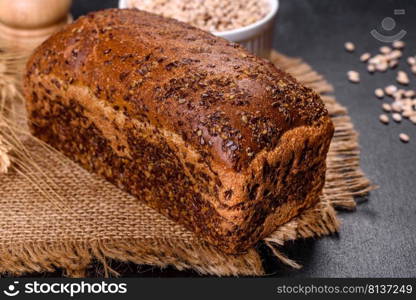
pixel 349 46
pixel 353 76
pixel 402 78
pixel 379 93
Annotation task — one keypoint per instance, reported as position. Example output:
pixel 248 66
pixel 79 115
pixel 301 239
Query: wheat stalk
pixel 13 130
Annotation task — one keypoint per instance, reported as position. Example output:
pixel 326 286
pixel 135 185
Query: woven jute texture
pixel 54 214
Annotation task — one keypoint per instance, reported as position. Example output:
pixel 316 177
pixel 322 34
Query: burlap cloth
pixel 54 214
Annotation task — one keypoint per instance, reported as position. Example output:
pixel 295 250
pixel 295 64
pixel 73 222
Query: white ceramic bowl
pixel 256 37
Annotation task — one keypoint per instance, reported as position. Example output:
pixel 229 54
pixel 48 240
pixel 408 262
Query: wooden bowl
pixel 33 14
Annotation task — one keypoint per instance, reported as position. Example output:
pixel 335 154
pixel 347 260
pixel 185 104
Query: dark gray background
pixel 379 239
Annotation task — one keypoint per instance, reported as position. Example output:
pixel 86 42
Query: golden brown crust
pixel 208 134
pixel 225 101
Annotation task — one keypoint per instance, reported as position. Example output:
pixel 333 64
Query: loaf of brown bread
pixel 206 133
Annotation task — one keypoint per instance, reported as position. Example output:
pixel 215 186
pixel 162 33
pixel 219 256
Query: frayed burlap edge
pixel 344 181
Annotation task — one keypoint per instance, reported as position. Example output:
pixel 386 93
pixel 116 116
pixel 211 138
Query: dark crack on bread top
pixel 225 102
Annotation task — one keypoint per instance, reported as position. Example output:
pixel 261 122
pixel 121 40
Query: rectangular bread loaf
pixel 201 130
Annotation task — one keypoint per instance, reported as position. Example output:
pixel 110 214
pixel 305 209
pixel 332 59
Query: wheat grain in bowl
pixel 209 15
